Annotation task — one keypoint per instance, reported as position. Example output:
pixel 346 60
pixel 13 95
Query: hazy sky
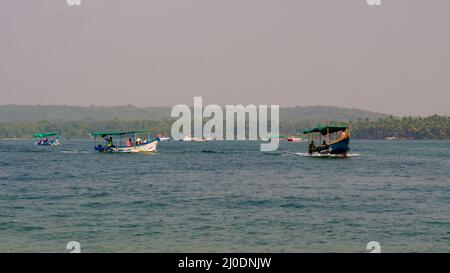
pixel 393 58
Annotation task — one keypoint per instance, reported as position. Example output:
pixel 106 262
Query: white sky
pixel 394 58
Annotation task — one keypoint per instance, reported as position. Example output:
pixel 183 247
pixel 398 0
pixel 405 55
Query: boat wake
pixel 76 152
pixel 323 155
pixel 276 153
pixel 220 152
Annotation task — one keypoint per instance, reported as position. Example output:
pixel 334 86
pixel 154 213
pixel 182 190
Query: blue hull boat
pixel 340 147
pixel 45 141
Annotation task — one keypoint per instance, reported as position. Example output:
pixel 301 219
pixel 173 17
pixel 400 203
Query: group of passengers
pixel 128 142
pixel 313 149
pixel 44 141
pixel 325 146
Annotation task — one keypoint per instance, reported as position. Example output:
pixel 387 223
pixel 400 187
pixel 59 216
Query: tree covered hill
pixel 33 113
pixel 77 122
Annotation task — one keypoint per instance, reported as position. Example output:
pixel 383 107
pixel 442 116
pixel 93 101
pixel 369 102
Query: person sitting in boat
pixel 129 143
pixel 323 147
pixel 110 142
pixel 312 148
pixel 139 142
pixel 145 141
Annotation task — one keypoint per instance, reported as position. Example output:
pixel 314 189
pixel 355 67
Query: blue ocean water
pixel 225 196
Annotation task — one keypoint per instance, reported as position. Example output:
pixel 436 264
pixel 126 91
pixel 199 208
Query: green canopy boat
pixel 324 130
pixel 45 141
pixel 42 135
pixel 133 144
pixel 340 145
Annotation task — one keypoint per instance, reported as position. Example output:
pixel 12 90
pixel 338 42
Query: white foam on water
pixel 324 155
pixel 75 152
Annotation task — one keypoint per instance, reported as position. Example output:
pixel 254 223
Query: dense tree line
pixel 35 113
pixel 80 129
pixel 433 127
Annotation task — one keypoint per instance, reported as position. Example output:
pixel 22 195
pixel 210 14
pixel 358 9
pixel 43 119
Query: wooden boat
pixel 47 139
pixel 136 145
pixel 164 138
pixel 295 139
pixel 340 146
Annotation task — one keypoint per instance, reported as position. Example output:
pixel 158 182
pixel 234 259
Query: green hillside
pixel 33 113
pixel 76 122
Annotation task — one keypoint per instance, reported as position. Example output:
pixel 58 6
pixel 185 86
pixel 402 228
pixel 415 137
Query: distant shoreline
pixel 22 122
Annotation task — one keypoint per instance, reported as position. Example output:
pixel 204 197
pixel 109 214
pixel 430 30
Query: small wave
pixel 211 152
pixel 32 151
pixel 256 203
pixel 220 152
pixel 29 228
pixel 76 152
pixel 292 205
pixel 274 153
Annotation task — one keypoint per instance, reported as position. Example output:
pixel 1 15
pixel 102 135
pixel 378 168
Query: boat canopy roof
pixel 118 133
pixel 41 135
pixel 325 129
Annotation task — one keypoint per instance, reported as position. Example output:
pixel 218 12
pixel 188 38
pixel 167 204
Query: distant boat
pixel 164 138
pixel 398 138
pixel 47 139
pixel 340 146
pixel 294 139
pixel 186 138
pixel 135 145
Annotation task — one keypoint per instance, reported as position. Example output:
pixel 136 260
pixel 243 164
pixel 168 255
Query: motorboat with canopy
pixel 133 143
pixel 333 140
pixel 47 139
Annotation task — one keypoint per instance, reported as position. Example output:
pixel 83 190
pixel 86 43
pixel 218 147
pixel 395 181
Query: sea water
pixel 225 196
